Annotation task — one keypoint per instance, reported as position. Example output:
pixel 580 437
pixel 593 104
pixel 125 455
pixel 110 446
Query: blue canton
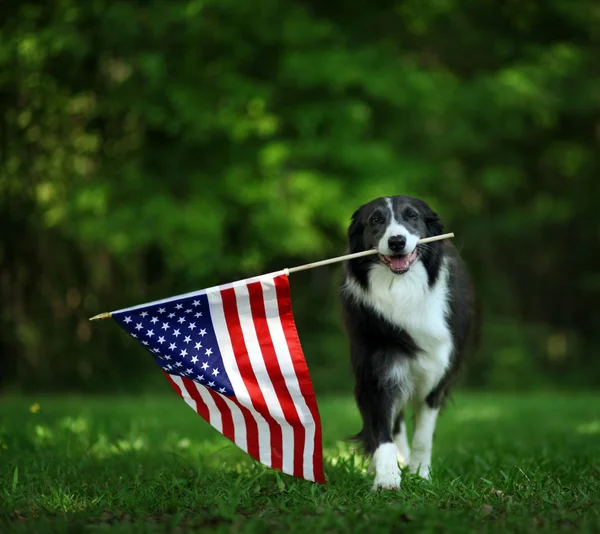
pixel 181 337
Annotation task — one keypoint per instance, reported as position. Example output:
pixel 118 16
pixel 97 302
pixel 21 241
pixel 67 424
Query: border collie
pixel 409 315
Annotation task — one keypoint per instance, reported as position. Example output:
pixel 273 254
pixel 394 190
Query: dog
pixel 409 314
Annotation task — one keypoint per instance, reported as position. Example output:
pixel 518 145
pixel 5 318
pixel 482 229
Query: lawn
pixel 501 463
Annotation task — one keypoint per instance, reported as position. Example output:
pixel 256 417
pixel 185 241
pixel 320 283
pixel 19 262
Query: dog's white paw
pixel 389 480
pixel 421 470
pixel 403 458
pixel 387 472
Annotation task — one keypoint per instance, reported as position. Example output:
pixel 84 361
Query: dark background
pixel 153 148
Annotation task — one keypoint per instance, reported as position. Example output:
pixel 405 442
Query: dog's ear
pixel 355 233
pixel 433 222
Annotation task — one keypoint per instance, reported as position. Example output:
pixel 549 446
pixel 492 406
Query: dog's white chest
pixel 408 302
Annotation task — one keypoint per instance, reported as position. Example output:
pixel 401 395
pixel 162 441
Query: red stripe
pixel 226 416
pixel 251 429
pixel 259 315
pixel 201 407
pixel 284 301
pixel 203 411
pixel 247 373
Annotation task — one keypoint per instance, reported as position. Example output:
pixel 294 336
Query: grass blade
pixel 15 479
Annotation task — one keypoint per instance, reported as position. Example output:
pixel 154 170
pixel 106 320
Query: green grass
pixel 528 463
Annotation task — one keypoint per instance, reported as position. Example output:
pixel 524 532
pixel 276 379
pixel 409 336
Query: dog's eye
pixel 376 219
pixel 412 216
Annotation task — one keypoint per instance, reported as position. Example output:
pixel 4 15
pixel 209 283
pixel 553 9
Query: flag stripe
pixel 273 368
pixel 245 427
pixel 295 350
pixel 290 373
pixel 194 401
pixel 259 435
pixel 258 356
pixel 223 409
pixel 239 421
pixel 245 367
pixel 216 417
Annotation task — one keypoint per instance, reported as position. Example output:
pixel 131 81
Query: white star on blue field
pixel 180 336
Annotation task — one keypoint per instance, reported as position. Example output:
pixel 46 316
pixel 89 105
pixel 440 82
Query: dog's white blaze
pixel 395 228
pixel 401 441
pixel 422 443
pixel 387 472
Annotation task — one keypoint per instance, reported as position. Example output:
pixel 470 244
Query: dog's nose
pixel 397 243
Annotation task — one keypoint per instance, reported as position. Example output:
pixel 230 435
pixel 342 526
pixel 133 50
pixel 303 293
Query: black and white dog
pixel 409 315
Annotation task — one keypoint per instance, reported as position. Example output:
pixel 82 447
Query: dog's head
pixel 393 226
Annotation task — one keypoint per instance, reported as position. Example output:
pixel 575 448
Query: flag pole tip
pixel 105 315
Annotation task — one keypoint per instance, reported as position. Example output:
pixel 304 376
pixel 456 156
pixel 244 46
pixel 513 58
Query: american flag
pixel 233 354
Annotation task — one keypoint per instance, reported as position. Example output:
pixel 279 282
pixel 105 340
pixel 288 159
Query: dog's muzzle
pixel 399 264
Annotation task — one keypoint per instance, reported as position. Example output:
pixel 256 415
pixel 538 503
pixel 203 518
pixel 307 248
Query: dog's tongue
pixel 399 263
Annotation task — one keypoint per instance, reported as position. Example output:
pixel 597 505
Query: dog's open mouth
pixel 399 264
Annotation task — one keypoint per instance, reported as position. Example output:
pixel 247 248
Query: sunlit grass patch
pixel 478 413
pixel 593 427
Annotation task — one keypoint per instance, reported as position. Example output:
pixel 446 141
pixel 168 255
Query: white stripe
pixel 213 412
pixel 287 368
pixel 262 376
pixel 239 423
pixel 184 393
pixel 216 419
pixel 202 291
pixel 231 368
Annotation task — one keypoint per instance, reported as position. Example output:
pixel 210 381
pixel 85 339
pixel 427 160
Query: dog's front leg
pixel 376 405
pixel 422 443
pixel 387 472
pixel 401 439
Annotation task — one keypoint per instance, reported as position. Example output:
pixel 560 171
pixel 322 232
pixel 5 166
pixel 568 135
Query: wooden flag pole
pixel 360 254
pixel 107 315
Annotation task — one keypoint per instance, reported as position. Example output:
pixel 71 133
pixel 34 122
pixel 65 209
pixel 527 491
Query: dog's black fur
pixel 376 344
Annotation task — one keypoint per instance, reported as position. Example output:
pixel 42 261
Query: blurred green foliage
pixel 152 148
